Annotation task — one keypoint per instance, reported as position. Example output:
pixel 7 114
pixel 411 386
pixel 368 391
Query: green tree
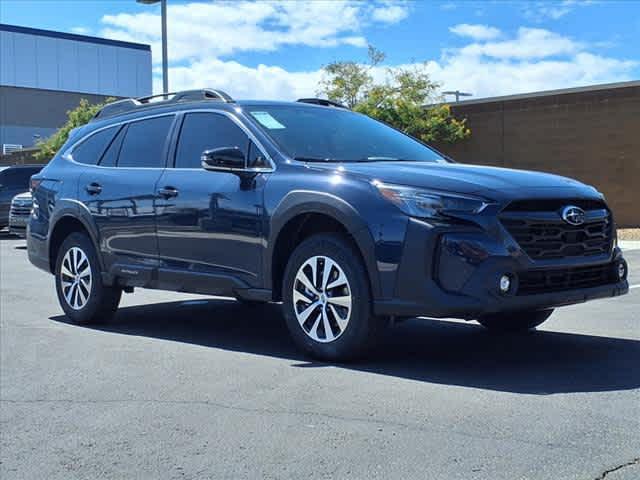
pixel 347 82
pixel 75 118
pixel 407 99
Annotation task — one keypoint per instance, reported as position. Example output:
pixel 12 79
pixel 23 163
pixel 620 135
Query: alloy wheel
pixel 75 278
pixel 322 299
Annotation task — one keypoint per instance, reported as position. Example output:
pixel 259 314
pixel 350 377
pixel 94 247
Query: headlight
pixel 421 203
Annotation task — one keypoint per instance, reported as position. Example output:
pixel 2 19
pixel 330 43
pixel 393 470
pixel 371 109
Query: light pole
pixel 458 94
pixel 165 72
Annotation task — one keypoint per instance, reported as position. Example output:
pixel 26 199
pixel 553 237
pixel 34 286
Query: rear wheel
pixel 514 321
pixel 81 293
pixel 326 299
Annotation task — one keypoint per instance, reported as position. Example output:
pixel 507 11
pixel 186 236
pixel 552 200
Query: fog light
pixel 622 270
pixel 505 283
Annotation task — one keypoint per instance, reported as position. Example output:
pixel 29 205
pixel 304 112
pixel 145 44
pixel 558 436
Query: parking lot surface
pixel 183 386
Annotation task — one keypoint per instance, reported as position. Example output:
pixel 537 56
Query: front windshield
pixel 331 134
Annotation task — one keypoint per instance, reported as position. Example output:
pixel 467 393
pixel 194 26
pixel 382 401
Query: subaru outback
pixel 345 221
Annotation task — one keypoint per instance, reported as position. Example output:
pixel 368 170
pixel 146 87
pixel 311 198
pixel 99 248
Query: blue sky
pixel 276 49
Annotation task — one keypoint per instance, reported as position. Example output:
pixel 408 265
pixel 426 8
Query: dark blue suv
pixel 346 221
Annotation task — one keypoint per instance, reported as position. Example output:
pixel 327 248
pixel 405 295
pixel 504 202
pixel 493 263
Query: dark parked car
pixel 19 214
pixel 346 221
pixel 13 180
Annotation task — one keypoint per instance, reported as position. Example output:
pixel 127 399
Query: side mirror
pixel 226 159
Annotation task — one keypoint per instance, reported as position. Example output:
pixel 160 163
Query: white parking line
pixel 634 286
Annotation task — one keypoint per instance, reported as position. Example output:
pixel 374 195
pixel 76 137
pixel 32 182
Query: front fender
pixel 300 202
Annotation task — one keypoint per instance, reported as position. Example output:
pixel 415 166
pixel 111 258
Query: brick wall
pixel 593 136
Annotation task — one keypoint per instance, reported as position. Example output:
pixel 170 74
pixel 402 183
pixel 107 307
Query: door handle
pixel 93 188
pixel 168 192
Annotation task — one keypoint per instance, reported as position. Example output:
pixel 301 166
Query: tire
pixel 514 322
pixel 348 339
pixel 84 298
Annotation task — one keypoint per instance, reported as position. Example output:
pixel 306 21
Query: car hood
pixel 491 182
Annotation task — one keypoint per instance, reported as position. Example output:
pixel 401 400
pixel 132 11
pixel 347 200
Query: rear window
pixel 144 143
pixel 91 149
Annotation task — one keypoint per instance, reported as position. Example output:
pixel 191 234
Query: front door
pixel 209 224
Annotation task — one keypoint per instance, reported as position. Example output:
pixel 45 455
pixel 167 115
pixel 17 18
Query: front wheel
pixel 327 300
pixel 514 321
pixel 81 293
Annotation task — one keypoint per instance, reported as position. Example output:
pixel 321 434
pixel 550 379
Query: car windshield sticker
pixel 266 120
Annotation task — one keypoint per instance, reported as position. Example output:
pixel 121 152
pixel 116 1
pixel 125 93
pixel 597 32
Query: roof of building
pixel 547 93
pixel 72 36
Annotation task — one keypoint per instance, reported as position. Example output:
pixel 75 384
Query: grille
pixel 554 204
pixel 20 211
pixel 555 280
pixel 543 235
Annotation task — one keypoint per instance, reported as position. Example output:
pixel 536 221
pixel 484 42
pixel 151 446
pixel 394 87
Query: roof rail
pixel 322 101
pixel 131 104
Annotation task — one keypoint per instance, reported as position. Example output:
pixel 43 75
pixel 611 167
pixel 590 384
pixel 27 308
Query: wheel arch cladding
pixel 295 221
pixel 64 226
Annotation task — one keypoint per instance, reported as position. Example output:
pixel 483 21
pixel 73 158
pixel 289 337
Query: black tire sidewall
pixel 358 335
pixel 102 300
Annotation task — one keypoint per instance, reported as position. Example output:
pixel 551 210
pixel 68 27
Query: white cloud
pixel 202 37
pixel 391 12
pixel 551 9
pixel 493 77
pixel 477 32
pixel 241 81
pixel 200 30
pixel 529 43
pixel 81 30
pixel 483 77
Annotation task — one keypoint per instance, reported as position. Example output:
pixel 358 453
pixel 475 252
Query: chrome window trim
pixel 247 132
pixel 68 153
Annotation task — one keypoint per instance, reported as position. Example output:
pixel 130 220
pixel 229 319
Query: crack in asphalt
pixel 635 461
pixel 329 416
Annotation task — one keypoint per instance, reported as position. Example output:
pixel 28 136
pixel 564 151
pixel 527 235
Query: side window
pixel 90 150
pixel 110 157
pixel 144 142
pixel 204 131
pixel 256 158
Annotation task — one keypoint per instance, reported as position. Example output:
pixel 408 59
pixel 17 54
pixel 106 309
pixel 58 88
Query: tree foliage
pixel 75 118
pixel 400 100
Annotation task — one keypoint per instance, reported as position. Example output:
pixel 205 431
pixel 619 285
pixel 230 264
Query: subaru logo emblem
pixel 573 215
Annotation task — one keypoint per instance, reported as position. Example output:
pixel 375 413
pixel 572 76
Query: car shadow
pixel 434 351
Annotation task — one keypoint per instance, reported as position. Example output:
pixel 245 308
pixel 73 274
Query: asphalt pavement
pixel 188 387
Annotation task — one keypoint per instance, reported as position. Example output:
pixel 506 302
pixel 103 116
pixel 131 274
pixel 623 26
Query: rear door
pixel 119 193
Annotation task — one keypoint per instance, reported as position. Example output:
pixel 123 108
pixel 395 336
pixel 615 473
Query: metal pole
pixel 165 68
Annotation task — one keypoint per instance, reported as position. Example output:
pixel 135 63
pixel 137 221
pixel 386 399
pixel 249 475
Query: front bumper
pixel 18 225
pixel 18 230
pixel 456 274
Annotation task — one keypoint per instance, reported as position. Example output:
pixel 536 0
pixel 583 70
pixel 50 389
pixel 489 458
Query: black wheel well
pixel 63 228
pixel 292 234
